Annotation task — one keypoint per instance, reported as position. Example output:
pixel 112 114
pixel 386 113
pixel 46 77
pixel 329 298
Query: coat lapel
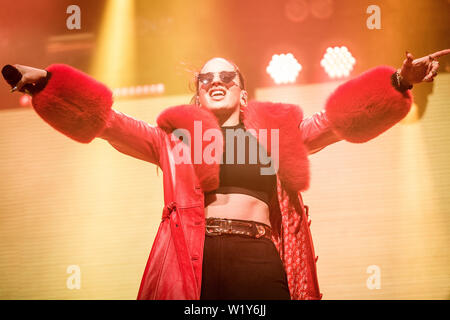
pixel 279 121
pixel 285 119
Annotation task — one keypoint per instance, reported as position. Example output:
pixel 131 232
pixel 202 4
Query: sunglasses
pixel 225 76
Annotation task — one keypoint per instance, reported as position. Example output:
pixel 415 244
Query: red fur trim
pixel 183 117
pixel 293 161
pixel 292 156
pixel 74 103
pixel 366 106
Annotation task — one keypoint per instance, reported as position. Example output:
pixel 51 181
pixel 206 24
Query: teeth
pixel 217 93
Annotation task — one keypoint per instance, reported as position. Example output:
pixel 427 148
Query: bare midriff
pixel 236 206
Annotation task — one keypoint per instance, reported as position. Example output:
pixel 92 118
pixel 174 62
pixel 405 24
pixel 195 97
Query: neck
pixel 228 119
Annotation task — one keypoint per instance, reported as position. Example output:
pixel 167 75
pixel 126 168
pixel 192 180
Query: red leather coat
pixel 357 111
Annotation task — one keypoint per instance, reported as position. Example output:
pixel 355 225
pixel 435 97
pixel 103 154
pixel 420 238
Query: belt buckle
pixel 261 231
pixel 224 227
pixel 213 233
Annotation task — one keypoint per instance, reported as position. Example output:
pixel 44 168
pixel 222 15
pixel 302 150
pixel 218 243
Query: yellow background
pixel 382 203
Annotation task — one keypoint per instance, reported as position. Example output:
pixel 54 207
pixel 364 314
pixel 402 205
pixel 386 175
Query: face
pixel 214 92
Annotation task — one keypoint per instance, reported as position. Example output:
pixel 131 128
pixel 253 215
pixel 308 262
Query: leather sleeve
pixel 317 132
pixel 134 137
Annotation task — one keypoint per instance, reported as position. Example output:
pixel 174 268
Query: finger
pixel 435 68
pixel 429 77
pixel 409 59
pixel 440 53
pixel 430 66
pixel 433 73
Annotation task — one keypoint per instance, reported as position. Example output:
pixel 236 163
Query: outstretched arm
pixel 317 132
pixel 80 107
pixel 366 106
pixel 133 137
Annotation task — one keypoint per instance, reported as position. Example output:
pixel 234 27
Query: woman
pixel 252 220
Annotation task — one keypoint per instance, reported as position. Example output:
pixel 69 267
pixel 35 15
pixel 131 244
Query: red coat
pixel 357 111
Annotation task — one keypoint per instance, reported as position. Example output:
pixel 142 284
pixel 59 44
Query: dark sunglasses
pixel 225 76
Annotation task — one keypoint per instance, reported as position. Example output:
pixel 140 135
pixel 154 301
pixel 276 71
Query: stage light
pixel 114 61
pixel 296 10
pixel 124 92
pixel 25 100
pixel 322 9
pixel 337 62
pixel 284 68
pixel 139 91
pixel 160 88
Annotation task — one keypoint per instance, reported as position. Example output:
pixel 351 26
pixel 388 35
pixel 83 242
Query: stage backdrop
pixel 75 214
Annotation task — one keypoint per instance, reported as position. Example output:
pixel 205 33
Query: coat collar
pixel 293 164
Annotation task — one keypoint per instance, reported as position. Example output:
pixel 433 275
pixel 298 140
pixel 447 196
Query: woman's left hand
pixel 421 69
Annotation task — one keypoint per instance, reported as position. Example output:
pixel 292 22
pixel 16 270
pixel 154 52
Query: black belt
pixel 219 226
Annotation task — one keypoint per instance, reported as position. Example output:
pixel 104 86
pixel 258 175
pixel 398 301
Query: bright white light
pixel 150 89
pixel 124 92
pixel 160 88
pixel 25 100
pixel 284 68
pixel 337 62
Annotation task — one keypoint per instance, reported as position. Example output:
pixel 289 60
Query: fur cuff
pixel 74 103
pixel 184 117
pixel 366 106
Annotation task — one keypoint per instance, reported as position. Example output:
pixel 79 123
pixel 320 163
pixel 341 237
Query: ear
pixel 244 98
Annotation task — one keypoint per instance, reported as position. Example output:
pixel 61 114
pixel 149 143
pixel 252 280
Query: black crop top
pixel 240 175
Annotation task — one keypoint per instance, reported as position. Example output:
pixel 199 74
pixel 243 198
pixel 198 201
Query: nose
pixel 216 80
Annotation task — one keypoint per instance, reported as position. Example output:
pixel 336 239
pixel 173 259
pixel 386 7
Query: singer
pixel 228 231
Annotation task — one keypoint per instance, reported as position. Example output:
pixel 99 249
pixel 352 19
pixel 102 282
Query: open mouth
pixel 217 93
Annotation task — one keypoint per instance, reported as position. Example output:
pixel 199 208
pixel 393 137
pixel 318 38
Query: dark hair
pixel 195 80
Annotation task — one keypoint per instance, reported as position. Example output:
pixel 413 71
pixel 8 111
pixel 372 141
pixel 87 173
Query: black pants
pixel 240 267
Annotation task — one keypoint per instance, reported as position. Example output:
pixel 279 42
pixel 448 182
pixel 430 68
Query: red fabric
pixel 291 237
pixel 184 117
pixel 174 267
pixel 366 106
pixel 285 118
pixel 74 103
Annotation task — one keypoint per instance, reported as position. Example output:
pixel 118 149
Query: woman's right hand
pixel 29 75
